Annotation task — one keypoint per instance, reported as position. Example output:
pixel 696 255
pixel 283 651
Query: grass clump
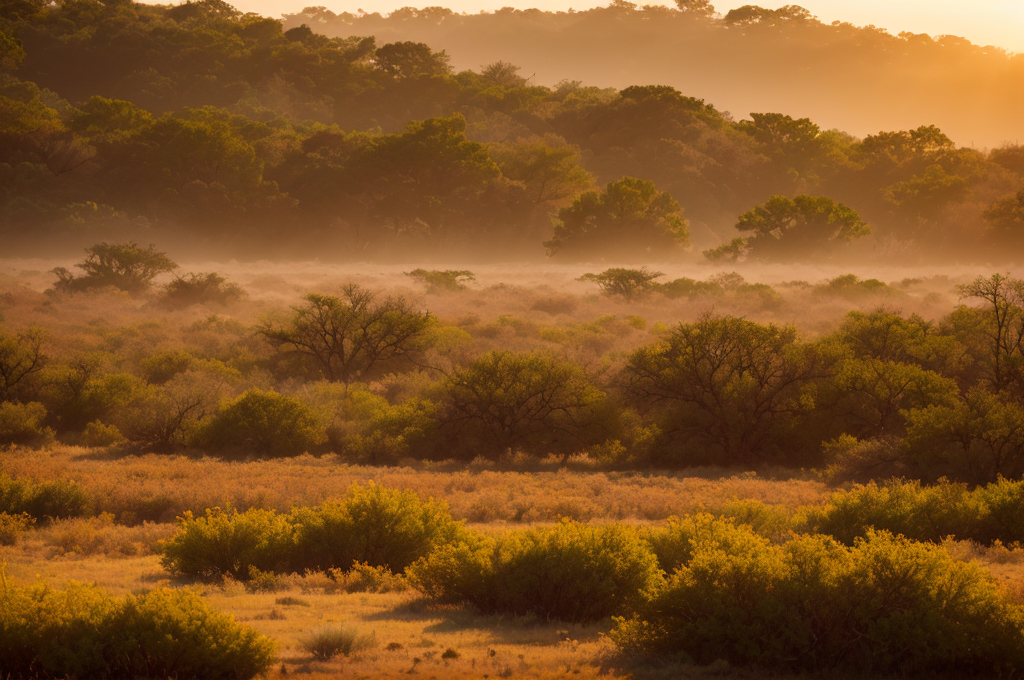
pixel 884 605
pixel 326 643
pixel 570 572
pixel 82 632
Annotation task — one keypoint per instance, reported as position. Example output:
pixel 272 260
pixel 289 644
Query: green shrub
pixel 375 525
pixel 230 543
pixel 82 632
pixel 571 572
pixel 885 606
pixel 1004 517
pixel 59 499
pixel 364 578
pixel 373 528
pixel 923 513
pixel 23 423
pixel 674 545
pixel 266 423
pixel 200 288
pixel 327 643
pixel 13 525
pixel 99 434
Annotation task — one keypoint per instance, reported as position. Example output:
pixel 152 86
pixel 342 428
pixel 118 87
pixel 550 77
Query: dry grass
pixel 159 488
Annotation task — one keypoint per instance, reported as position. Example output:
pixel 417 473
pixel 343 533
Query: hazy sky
pixel 985 22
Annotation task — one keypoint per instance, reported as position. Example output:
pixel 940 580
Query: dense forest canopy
pixel 235 134
pixel 858 79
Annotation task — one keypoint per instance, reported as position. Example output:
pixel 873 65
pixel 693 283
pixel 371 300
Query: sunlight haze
pixel 984 22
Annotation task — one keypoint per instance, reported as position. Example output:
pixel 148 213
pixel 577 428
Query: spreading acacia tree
pixel 125 266
pixel 727 390
pixel 344 338
pixel 784 228
pixel 630 218
pixel 504 400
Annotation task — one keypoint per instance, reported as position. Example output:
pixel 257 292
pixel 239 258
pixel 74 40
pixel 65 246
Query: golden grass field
pixel 410 637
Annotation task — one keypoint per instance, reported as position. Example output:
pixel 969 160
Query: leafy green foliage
pixel 975 439
pixel 58 499
pixel 787 229
pixel 125 266
pixel 629 217
pixel 372 525
pixel 347 337
pixel 675 544
pixel 23 423
pixel 730 388
pixel 21 356
pixel 13 525
pixel 885 605
pixel 83 632
pixel 200 289
pixel 505 400
pixel 629 283
pixel 570 572
pixel 262 423
pixel 438 281
pixel 986 514
pixel 230 543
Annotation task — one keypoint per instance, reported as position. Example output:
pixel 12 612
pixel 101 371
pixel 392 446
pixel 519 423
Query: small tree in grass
pixel 125 266
pixel 629 283
pixel 438 281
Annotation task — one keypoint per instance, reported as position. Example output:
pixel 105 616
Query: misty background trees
pixel 244 136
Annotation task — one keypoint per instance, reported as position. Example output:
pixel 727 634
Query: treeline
pixel 201 124
pixel 377 379
pixel 856 78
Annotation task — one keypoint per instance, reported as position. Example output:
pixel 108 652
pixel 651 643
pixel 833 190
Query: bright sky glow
pixel 984 22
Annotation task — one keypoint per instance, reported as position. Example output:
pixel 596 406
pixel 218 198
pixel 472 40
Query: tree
pixel 697 8
pixel 266 423
pixel 1006 217
pixel 411 60
pixel 504 400
pixel 727 386
pixel 629 218
pixel 548 167
pixel 21 356
pixel 125 266
pixel 348 337
pixel 975 440
pixel 925 196
pixel 438 281
pixel 785 229
pixel 1004 297
pixel 872 394
pixel 629 283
